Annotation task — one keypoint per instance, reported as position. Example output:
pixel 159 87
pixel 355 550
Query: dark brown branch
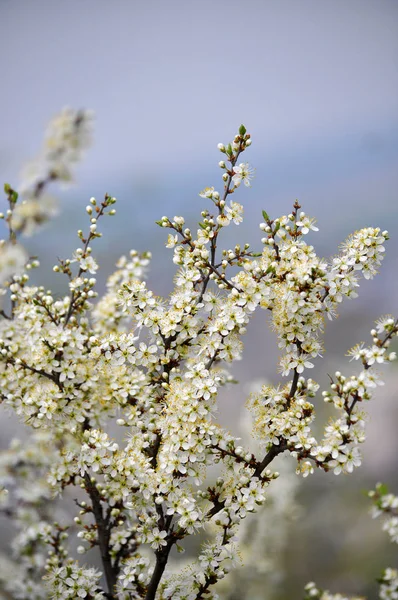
pixel 269 457
pixel 162 556
pixel 103 533
pixel 53 377
pixel 293 388
pixel 274 451
pixel 41 303
pixel 125 550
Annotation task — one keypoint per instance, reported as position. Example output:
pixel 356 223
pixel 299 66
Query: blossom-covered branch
pixel 74 368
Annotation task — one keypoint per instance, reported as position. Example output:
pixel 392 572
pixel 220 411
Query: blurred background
pixel 316 84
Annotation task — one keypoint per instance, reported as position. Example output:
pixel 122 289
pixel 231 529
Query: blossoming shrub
pixel 72 367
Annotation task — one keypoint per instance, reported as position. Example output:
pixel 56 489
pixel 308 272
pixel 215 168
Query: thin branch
pixel 75 296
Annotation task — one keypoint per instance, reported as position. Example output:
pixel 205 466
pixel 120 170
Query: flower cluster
pixel 72 581
pixel 13 259
pixel 389 585
pixel 386 504
pixel 27 499
pixel 314 593
pixel 124 386
pixel 283 419
pixel 263 540
pixel 68 135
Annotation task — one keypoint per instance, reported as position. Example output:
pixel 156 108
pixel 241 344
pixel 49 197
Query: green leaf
pixel 265 216
pixel 382 489
pixel 242 130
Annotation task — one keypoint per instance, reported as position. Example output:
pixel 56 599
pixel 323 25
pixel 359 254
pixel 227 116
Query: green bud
pixel 242 130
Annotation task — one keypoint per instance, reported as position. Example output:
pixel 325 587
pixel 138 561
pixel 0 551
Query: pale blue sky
pixel 169 79
pixel 315 81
